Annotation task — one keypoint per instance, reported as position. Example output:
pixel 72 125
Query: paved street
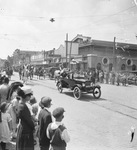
pixel 94 124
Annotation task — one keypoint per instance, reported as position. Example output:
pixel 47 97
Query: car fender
pixel 77 85
pixel 58 83
pixel 97 86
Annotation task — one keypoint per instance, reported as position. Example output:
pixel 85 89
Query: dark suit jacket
pixel 25 138
pixel 44 120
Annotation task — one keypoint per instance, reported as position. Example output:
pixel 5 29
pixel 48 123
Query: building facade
pixel 105 55
pixel 21 57
pixel 82 53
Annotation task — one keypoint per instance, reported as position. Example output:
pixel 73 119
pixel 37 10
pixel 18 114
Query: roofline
pixel 108 43
pixel 80 36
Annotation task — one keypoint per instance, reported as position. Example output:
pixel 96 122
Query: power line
pixel 100 21
pixel 117 13
pixel 65 17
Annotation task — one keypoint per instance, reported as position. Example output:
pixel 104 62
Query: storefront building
pixel 105 55
pixel 83 53
pixel 21 57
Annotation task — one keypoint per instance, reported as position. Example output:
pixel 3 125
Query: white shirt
pixel 64 135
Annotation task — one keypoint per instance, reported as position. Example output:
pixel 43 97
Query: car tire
pixel 59 86
pixel 97 92
pixel 77 92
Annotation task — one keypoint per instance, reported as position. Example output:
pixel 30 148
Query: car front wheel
pixel 96 92
pixel 77 93
pixel 59 86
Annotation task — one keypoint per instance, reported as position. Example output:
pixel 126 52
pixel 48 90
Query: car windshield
pixel 80 76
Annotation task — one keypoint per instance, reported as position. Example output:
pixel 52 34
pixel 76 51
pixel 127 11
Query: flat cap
pixel 58 112
pixel 45 101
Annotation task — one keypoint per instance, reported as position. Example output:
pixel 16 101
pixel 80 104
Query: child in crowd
pixel 13 111
pixel 32 100
pixel 35 119
pixel 34 112
pixel 57 132
pixel 5 126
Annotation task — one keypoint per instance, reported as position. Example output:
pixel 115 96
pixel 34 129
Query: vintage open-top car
pixel 79 86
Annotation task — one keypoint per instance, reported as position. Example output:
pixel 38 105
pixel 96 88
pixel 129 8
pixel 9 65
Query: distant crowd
pixel 109 77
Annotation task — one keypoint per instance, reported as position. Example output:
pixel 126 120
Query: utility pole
pixel 70 54
pixel 66 49
pixel 114 54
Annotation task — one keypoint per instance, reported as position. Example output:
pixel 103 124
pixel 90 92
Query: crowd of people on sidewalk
pixel 107 77
pixel 96 75
pixel 27 122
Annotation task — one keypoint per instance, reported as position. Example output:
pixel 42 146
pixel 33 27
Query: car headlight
pixel 83 84
pixel 92 84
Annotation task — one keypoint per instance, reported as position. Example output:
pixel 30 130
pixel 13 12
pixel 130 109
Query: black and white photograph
pixel 68 74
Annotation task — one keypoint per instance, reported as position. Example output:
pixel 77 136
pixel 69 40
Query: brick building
pixel 82 53
pixel 105 55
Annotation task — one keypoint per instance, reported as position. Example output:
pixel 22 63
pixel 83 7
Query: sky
pixel 26 25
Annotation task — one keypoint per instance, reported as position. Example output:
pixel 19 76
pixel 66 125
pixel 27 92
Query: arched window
pixel 123 67
pixel 99 66
pixel 133 67
pixel 110 66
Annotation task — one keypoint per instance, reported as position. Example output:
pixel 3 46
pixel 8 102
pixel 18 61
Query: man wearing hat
pixel 44 119
pixel 57 132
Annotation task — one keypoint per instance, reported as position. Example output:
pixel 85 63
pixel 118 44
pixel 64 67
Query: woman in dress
pixel 5 126
pixel 13 108
pixel 25 140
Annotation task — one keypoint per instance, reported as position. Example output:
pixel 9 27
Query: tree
pixel 6 64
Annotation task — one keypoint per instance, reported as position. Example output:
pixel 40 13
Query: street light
pixel 120 47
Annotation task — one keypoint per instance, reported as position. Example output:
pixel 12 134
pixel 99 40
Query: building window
pixel 123 67
pixel 110 66
pixel 105 61
pixel 85 66
pixel 129 62
pixel 99 66
pixel 133 67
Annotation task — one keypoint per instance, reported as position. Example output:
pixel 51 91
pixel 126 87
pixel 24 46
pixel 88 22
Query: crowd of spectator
pixel 27 122
pixel 107 77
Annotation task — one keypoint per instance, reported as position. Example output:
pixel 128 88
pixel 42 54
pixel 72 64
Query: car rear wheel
pixel 59 86
pixel 96 92
pixel 77 93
